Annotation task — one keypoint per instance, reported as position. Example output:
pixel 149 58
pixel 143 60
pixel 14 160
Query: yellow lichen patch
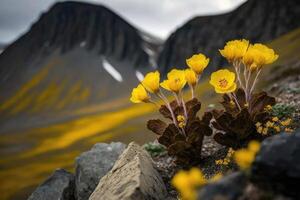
pixel 84 95
pixel 85 127
pixel 22 105
pixel 25 89
pixel 48 96
pixel 70 95
pixel 33 172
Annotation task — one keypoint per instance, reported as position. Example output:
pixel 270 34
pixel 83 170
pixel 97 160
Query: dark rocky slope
pixel 61 62
pixel 256 20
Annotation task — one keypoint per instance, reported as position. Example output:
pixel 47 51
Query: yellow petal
pixel 151 81
pixel 197 63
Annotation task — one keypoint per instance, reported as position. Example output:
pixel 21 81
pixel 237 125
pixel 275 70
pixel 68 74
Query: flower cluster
pixel 175 82
pixel 183 137
pixel 248 61
pixel 274 125
pixel 243 108
pixel 227 158
pixel 245 157
pixel 246 115
pixel 187 182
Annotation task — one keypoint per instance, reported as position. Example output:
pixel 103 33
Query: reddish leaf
pixel 157 126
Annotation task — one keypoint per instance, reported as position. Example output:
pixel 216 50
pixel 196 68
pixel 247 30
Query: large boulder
pixel 228 188
pixel 277 166
pixel 133 177
pixel 92 165
pixel 59 186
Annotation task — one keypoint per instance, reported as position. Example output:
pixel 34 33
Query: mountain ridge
pixel 258 21
pixel 98 56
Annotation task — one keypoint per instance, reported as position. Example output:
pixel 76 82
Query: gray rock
pixel 228 188
pixel 277 166
pixel 92 165
pixel 59 186
pixel 133 177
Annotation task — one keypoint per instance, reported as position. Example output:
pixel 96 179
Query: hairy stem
pixel 162 97
pixel 192 91
pixel 184 107
pixel 248 75
pixel 237 67
pixel 255 81
pixel 235 100
pixel 177 99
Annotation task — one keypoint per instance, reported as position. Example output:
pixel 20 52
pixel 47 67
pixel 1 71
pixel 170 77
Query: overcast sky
pixel 158 17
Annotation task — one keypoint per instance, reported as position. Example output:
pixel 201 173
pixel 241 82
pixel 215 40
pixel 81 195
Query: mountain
pixel 256 20
pixel 2 47
pixel 76 54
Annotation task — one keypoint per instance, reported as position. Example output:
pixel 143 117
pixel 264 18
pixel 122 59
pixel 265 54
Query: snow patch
pixel 139 75
pixel 151 53
pixel 112 71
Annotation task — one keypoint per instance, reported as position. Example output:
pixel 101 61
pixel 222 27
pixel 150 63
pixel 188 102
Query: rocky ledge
pixel 90 167
pixel 108 172
pixel 133 177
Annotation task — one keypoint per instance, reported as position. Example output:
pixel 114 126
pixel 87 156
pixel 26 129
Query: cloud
pixel 158 17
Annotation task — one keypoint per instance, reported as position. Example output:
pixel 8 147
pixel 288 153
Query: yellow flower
pixel 191 77
pixel 265 131
pixel 235 50
pixel 254 146
pixel 259 129
pixel 181 182
pixel 139 94
pixel 181 124
pixel 197 177
pixel 268 108
pixel 186 182
pixel 269 124
pixel 277 128
pixel 245 157
pixel 258 55
pixel 197 63
pixel 223 81
pixel 258 124
pixel 275 119
pixel 180 118
pixel 227 159
pixel 151 81
pixel 175 82
pixel 286 122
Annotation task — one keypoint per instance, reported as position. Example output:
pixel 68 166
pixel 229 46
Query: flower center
pixel 177 80
pixel 223 83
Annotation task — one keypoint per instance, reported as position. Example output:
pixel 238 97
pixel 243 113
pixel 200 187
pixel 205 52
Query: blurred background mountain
pixel 65 83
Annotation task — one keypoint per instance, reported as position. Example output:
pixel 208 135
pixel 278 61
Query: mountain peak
pixel 86 52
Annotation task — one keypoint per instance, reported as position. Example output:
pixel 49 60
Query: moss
pixel 154 149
